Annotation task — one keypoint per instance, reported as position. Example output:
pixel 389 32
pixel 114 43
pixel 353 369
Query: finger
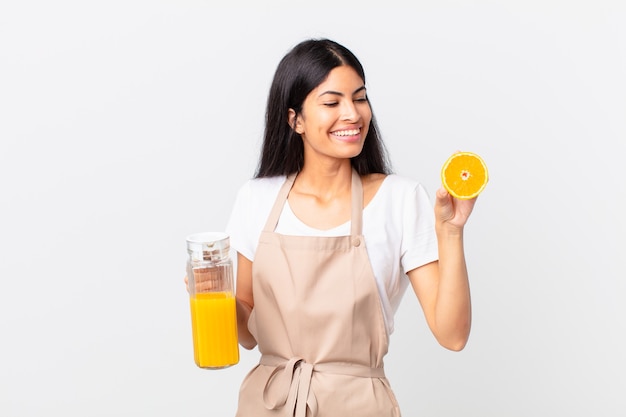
pixel 443 199
pixel 444 209
pixel 442 193
pixel 207 279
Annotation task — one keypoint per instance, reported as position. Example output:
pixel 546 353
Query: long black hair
pixel 305 67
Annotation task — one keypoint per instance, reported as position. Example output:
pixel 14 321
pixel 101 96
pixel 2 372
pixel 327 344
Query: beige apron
pixel 319 325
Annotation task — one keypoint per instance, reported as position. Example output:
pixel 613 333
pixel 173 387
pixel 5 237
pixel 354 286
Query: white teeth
pixel 347 132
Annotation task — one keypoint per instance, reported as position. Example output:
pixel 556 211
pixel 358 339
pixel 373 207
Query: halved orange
pixel 464 175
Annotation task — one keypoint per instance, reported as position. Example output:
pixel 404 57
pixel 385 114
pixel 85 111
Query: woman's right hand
pixel 205 279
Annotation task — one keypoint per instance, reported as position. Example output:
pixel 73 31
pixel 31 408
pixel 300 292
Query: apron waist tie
pixel 290 382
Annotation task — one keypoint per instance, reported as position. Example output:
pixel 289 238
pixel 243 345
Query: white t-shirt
pixel 398 226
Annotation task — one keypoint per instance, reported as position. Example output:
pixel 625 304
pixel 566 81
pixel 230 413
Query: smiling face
pixel 335 117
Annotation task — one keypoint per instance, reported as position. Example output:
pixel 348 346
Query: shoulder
pixel 256 197
pixel 260 188
pixel 400 195
pixel 395 181
pixel 390 187
pixel 253 204
pixel 265 183
pixel 398 184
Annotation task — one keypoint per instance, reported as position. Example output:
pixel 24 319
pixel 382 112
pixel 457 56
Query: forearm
pixel 243 314
pixel 453 303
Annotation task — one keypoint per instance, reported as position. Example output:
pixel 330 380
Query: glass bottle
pixel 212 300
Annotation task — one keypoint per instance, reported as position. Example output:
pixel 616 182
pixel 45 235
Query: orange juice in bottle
pixel 212 301
pixel 214 328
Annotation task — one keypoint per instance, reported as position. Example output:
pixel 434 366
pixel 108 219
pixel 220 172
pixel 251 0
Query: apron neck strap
pixel 356 221
pixel 357 205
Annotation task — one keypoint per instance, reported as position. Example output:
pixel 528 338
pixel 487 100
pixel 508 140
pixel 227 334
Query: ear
pixel 294 121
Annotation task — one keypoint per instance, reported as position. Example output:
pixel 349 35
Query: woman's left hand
pixel 450 211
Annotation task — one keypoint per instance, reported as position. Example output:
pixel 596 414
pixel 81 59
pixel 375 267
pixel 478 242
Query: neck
pixel 325 181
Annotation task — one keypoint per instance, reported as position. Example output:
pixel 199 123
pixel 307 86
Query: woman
pixel 328 241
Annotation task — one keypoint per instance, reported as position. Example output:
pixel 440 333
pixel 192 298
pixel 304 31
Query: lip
pixel 351 138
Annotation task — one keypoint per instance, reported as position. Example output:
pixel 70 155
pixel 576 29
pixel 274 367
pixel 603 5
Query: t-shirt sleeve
pixel 239 226
pixel 419 240
pixel 252 206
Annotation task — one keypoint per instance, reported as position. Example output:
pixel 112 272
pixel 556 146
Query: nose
pixel 349 111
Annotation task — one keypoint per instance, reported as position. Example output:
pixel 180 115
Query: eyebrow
pixel 337 93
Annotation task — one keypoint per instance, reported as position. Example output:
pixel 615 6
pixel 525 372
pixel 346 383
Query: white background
pixel 127 125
